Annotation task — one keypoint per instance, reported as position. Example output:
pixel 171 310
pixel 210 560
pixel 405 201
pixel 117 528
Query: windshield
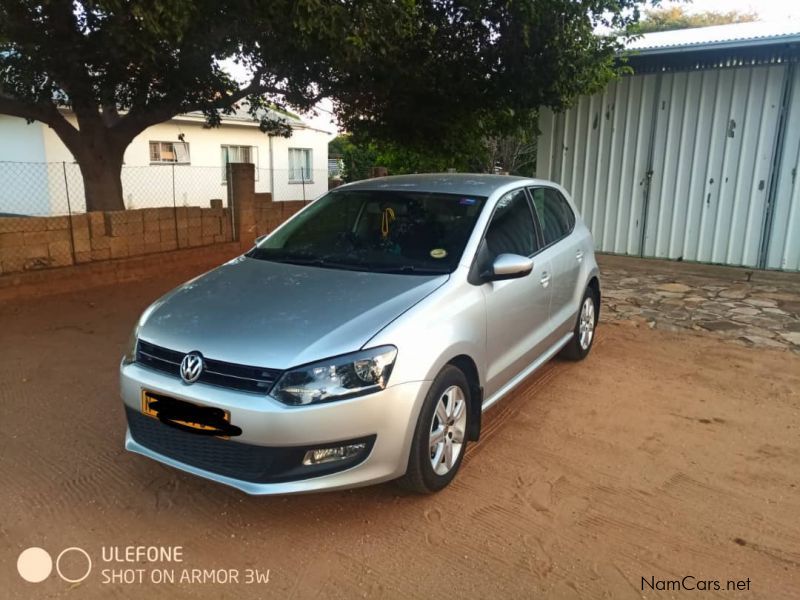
pixel 377 230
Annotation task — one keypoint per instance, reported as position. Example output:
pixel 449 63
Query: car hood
pixel 276 315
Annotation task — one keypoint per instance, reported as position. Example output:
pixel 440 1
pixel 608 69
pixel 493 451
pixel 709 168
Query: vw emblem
pixel 191 367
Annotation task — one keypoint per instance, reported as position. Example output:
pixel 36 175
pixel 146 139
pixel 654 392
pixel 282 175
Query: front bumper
pixel 386 418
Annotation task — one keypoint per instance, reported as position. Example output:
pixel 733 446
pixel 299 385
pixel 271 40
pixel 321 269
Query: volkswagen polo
pixel 362 340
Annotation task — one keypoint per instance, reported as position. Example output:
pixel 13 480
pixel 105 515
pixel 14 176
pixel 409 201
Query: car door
pixel 517 310
pixel 557 223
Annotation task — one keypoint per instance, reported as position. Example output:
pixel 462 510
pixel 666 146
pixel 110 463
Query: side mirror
pixel 508 266
pixel 260 239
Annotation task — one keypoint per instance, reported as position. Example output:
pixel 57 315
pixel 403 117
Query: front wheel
pixel 583 336
pixel 440 437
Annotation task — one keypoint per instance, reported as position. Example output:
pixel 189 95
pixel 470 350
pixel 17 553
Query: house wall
pixel 23 145
pixel 683 165
pixel 146 185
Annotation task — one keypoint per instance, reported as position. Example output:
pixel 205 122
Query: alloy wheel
pixel 586 323
pixel 448 428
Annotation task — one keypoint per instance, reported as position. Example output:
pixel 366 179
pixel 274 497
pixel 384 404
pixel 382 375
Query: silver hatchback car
pixel 361 340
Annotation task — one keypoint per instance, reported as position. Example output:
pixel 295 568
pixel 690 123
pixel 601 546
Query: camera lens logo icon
pixel 35 564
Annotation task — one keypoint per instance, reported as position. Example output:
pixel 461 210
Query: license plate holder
pixel 188 416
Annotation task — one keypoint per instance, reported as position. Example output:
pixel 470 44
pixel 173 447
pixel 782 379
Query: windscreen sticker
pixel 438 253
pixel 467 201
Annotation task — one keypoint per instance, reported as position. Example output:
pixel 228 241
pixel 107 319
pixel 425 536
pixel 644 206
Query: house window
pixel 300 165
pixel 238 154
pixel 169 152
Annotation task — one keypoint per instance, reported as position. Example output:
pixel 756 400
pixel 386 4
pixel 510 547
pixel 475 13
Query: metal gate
pixel 696 165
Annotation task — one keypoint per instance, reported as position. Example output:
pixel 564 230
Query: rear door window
pixel 554 212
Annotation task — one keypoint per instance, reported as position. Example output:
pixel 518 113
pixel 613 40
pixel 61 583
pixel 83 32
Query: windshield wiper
pixel 400 269
pixel 314 261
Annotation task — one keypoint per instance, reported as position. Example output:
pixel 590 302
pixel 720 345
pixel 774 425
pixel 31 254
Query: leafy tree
pixel 357 158
pixel 514 152
pixel 676 17
pixel 424 73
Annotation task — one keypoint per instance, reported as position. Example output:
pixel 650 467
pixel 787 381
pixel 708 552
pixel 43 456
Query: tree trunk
pixel 101 168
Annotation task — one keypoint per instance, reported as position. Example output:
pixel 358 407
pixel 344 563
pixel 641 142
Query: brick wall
pixel 31 243
pixel 28 245
pixel 269 215
pixel 255 213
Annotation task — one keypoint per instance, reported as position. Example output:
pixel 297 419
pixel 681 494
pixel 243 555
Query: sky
pixel 768 10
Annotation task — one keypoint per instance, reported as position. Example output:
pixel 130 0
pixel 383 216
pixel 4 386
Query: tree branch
pixel 44 113
pixel 137 120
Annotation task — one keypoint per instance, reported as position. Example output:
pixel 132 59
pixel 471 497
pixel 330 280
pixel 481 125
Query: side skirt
pixel 530 369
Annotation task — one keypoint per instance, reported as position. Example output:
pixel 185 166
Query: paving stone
pixel 734 293
pixel 791 307
pixel 746 311
pixel 792 337
pixel 718 325
pixel 680 288
pixel 785 296
pixel 752 313
pixel 761 302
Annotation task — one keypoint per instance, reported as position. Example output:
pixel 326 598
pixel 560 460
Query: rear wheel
pixel 440 437
pixel 583 336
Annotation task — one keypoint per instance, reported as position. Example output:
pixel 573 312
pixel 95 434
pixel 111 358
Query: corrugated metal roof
pixel 720 36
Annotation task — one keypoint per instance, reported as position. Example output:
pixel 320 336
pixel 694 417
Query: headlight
pixel 130 348
pixel 337 378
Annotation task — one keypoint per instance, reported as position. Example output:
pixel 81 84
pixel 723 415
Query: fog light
pixel 326 455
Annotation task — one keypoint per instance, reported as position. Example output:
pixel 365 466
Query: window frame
pixel 253 159
pixel 474 268
pixel 536 238
pixel 168 162
pixel 540 227
pixel 302 180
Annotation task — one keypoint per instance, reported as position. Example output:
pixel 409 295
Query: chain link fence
pixel 44 220
pixel 292 184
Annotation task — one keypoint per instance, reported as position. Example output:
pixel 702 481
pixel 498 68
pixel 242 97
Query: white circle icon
pixel 88 565
pixel 34 564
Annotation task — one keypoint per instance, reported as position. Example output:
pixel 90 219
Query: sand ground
pixel 663 455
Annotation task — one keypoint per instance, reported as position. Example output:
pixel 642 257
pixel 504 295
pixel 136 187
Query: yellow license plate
pixel 185 414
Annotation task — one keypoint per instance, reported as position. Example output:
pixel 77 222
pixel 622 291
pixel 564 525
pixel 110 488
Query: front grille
pixel 246 462
pixel 215 372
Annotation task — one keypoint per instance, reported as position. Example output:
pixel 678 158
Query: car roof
pixel 471 184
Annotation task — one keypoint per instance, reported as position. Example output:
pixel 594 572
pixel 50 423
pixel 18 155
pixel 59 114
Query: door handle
pixel 545 280
pixel 579 255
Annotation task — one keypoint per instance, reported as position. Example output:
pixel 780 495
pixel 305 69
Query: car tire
pixel 585 328
pixel 445 415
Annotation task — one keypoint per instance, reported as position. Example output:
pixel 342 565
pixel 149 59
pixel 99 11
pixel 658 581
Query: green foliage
pixel 513 151
pixel 676 17
pixel 435 76
pixel 356 158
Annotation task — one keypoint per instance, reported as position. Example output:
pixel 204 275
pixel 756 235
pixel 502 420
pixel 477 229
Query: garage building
pixel 695 156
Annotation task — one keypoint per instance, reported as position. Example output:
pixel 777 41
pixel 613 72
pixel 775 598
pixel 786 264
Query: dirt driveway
pixel 664 455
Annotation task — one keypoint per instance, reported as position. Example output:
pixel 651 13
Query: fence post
pixel 232 208
pixel 241 196
pixel 175 209
pixel 69 212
